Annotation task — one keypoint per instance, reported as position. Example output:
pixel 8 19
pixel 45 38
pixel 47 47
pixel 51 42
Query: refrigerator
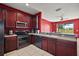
pixel 1 38
pixel 1 33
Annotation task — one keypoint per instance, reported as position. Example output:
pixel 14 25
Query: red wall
pixel 53 26
pixel 76 24
pixel 46 26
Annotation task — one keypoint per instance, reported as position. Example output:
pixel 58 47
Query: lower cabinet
pixel 10 43
pixel 51 45
pixel 66 48
pixel 32 39
pixel 45 43
pixel 55 46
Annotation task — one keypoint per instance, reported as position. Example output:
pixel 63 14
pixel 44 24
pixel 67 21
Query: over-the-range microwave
pixel 20 24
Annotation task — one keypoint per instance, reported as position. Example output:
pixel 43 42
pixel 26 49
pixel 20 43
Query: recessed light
pixel 27 4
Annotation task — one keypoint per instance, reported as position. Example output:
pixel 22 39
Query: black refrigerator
pixel 1 38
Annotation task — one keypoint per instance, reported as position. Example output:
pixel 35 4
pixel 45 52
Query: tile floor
pixel 30 50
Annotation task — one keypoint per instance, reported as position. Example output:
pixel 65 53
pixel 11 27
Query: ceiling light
pixel 27 4
pixel 58 9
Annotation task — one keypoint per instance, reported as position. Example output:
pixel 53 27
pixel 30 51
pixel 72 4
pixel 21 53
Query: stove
pixel 23 38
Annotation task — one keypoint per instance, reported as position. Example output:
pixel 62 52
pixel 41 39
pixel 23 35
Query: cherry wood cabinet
pixel 10 18
pixel 10 43
pixel 21 17
pixel 66 48
pixel 33 22
pixel 52 45
pixel 55 46
pixel 45 43
pixel 32 39
pixel 1 14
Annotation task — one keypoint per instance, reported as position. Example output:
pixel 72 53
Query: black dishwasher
pixel 38 41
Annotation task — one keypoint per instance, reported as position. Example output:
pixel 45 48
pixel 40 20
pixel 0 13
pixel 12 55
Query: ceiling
pixel 23 7
pixel 67 10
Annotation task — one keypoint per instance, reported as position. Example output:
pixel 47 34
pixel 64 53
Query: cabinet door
pixel 60 49
pixel 32 39
pixel 44 44
pixel 10 18
pixel 51 46
pixel 66 48
pixel 33 22
pixel 10 43
pixel 2 14
pixel 71 49
pixel 20 17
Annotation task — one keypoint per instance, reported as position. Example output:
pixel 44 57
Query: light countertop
pixel 10 35
pixel 55 36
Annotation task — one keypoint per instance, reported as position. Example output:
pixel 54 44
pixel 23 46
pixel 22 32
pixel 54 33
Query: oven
pixel 23 38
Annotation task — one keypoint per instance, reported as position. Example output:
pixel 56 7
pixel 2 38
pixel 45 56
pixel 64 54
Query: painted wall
pixel 46 26
pixel 76 24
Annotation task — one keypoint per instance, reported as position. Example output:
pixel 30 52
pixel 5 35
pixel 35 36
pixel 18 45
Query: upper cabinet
pixel 2 14
pixel 10 18
pixel 33 22
pixel 23 19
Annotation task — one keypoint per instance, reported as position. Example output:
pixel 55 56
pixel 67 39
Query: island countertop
pixel 55 36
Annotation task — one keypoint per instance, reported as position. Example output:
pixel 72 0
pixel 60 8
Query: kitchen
pixel 22 25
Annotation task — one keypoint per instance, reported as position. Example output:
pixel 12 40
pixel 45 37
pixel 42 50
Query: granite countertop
pixel 55 36
pixel 10 35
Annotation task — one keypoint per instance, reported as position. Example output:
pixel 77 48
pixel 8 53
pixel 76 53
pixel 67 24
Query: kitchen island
pixel 55 44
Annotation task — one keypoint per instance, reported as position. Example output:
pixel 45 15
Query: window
pixel 66 28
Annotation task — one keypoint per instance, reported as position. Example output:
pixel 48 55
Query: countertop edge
pixel 54 36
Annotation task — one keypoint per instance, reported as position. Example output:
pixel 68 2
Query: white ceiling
pixel 69 10
pixel 23 7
